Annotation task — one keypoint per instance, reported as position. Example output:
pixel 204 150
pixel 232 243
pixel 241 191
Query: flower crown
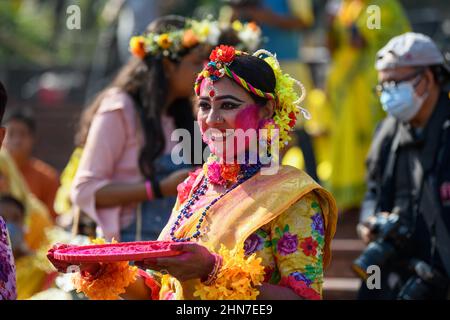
pixel 172 43
pixel 208 31
pixel 287 100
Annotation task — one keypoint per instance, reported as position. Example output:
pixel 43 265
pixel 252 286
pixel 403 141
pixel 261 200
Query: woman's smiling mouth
pixel 217 136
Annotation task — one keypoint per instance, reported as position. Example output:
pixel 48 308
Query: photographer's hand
pixel 366 229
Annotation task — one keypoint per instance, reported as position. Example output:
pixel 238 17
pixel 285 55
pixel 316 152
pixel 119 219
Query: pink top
pixel 110 155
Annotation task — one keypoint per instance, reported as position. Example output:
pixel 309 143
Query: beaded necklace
pixel 246 172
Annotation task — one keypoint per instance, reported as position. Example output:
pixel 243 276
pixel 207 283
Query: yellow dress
pixel 355 108
pixel 63 205
pixel 274 229
pixel 30 277
pixel 287 220
pixel 37 218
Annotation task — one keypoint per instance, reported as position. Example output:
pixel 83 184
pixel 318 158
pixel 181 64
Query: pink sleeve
pixel 105 144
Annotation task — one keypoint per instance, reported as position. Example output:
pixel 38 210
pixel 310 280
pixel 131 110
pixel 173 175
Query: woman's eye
pixel 229 105
pixel 204 105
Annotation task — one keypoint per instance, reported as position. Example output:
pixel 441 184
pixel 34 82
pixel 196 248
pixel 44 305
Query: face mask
pixel 16 235
pixel 402 102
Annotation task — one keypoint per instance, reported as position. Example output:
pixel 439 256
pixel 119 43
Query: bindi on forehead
pixel 208 89
pixel 211 90
pixel 223 89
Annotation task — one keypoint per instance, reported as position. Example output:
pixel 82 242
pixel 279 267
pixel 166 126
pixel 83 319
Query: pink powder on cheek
pixel 248 118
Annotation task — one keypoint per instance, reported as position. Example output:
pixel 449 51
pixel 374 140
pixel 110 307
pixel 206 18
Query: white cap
pixel 409 50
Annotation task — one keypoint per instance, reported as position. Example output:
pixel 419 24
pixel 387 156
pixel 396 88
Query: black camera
pixel 392 236
pixel 424 284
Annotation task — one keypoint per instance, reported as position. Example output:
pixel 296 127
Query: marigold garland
pixel 237 280
pixel 111 283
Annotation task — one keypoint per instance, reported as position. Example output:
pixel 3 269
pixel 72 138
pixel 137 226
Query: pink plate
pixel 124 251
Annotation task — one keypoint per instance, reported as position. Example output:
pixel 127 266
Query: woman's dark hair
pixel 8 199
pixel 145 81
pixel 257 72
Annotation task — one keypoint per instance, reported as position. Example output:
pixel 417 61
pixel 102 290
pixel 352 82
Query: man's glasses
pixel 387 85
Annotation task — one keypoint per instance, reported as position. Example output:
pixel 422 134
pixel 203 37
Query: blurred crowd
pixel 123 136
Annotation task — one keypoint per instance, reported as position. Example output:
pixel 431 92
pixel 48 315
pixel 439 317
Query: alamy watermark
pixel 373 281
pixel 231 146
pixel 73 21
pixel 374 17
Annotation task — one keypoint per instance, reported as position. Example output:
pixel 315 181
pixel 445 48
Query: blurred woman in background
pixel 126 180
pixel 355 108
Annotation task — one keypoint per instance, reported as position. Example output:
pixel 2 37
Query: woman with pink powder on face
pixel 285 220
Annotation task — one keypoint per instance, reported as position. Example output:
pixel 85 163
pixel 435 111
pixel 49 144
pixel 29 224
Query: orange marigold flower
pixel 253 26
pixel 112 282
pixel 230 171
pixel 137 46
pixel 189 39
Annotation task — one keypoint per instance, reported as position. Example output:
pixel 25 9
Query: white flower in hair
pixel 250 34
pixel 214 33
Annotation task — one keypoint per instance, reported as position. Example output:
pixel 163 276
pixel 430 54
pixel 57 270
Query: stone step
pixel 344 251
pixel 340 288
pixel 346 224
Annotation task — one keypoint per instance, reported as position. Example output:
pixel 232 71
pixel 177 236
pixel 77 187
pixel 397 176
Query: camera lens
pixel 376 253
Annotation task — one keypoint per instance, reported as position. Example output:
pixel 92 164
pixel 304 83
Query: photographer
pixel 405 217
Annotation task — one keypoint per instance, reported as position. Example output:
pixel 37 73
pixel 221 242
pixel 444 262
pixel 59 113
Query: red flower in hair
pixel 293 118
pixel 223 54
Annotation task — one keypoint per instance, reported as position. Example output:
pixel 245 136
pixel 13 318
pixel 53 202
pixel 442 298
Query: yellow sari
pixel 37 218
pixel 355 109
pixel 63 205
pixel 244 210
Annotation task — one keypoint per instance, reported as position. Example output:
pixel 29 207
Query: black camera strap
pixel 427 202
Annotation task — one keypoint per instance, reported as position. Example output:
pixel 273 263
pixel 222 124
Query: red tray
pixel 112 252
